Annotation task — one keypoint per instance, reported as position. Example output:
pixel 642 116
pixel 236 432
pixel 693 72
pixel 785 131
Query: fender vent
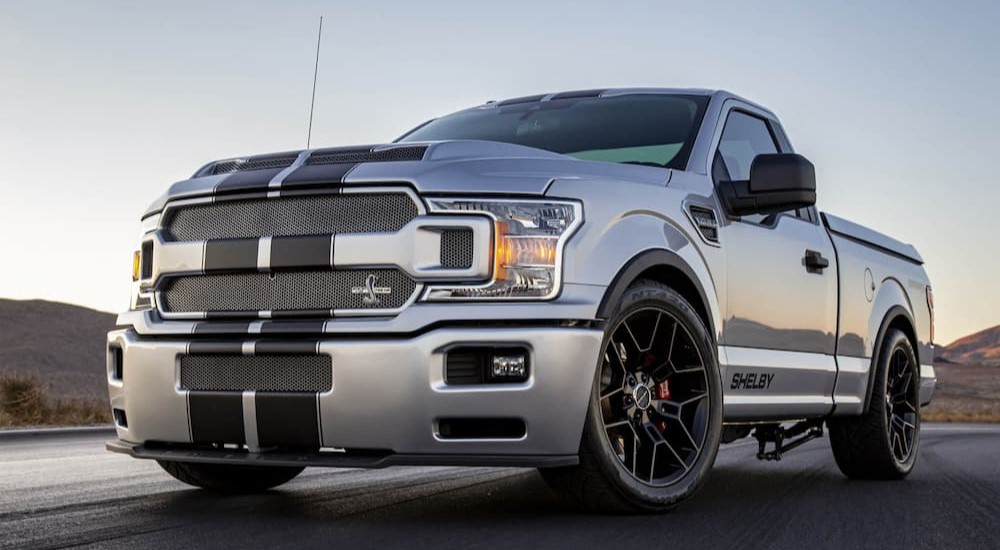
pixel 706 222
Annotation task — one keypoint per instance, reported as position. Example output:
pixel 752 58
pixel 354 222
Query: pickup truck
pixel 603 284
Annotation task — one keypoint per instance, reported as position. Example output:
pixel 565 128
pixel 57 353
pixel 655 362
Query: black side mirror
pixel 778 182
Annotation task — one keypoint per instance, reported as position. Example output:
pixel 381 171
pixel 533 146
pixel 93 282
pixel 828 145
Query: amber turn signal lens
pixel 136 265
pixel 514 251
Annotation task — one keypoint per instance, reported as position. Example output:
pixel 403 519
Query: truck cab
pixel 603 284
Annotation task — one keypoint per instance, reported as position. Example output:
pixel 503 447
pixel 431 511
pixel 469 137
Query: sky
pixel 104 104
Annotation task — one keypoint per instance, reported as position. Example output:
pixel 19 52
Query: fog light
pixel 509 366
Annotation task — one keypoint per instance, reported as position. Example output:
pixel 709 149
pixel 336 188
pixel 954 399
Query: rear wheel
pixel 883 443
pixel 227 478
pixel 655 417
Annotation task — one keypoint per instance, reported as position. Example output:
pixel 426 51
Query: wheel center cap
pixel 642 397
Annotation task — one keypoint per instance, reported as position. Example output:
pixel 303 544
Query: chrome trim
pixel 250 421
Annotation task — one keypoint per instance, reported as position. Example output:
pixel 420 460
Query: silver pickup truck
pixel 603 284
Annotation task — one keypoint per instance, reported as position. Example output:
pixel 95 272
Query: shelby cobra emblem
pixel 371 291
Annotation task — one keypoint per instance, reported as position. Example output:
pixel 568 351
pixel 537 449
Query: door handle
pixel 815 262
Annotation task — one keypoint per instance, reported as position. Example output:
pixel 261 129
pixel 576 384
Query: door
pixel 780 325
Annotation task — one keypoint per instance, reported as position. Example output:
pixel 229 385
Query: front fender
pixel 623 221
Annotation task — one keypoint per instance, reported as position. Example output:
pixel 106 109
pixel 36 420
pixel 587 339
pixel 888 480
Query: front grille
pixel 262 373
pixel 290 216
pixel 296 291
pixel 456 249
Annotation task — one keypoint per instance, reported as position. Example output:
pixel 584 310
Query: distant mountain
pixel 61 344
pixel 981 348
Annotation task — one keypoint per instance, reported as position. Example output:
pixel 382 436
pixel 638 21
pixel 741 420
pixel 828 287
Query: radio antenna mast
pixel 312 102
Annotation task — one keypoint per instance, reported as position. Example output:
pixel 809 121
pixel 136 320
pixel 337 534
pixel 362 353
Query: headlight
pixel 528 241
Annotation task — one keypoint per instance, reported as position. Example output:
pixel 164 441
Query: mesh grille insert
pixel 263 373
pixel 296 291
pixel 456 249
pixel 290 216
pixel 254 163
pixel 365 155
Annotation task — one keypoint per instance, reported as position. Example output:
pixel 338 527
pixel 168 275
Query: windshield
pixel 649 129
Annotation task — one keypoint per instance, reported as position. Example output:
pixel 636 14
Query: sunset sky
pixel 104 104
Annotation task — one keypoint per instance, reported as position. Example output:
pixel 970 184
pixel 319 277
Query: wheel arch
pixel 897 317
pixel 665 267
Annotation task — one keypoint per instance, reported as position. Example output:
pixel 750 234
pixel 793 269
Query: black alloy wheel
pixel 654 396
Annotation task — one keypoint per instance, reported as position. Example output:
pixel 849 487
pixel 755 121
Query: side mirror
pixel 778 182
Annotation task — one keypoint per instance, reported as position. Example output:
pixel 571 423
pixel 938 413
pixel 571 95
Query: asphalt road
pixel 67 491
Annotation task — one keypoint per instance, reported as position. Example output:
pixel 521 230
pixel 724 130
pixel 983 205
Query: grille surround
pixel 317 292
pixel 260 373
pixel 247 218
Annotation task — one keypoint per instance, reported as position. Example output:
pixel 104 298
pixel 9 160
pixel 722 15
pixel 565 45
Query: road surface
pixel 59 491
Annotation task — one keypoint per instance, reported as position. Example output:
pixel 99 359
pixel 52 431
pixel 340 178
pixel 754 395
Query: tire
pixel 606 480
pixel 869 446
pixel 229 479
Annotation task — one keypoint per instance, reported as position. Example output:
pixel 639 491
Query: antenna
pixel 312 102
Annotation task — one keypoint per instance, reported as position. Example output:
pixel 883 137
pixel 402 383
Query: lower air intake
pixel 261 373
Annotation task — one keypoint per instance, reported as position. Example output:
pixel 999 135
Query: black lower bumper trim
pixel 334 459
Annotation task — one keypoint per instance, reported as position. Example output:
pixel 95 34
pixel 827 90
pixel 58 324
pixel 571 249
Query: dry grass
pixel 965 393
pixel 24 402
pixel 950 416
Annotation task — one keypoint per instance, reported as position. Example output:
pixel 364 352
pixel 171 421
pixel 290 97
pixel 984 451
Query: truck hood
pixel 440 167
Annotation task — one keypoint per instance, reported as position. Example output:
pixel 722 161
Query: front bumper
pixel 387 398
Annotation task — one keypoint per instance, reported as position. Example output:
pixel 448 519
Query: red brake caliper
pixel 662 389
pixel 662 392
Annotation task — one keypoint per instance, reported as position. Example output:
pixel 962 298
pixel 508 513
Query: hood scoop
pixel 335 155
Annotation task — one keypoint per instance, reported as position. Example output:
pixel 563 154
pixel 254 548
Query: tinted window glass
pixel 743 138
pixel 655 129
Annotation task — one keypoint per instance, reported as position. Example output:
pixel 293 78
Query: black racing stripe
pixel 231 254
pixel 221 328
pixel 317 174
pixel 247 181
pixel 287 419
pixel 293 327
pixel 312 251
pixel 200 348
pixel 216 417
pixel 285 347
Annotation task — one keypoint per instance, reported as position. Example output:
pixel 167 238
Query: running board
pixel 774 433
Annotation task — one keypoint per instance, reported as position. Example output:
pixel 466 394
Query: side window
pixel 743 138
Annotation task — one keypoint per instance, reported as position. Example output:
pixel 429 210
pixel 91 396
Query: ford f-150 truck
pixel 602 284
